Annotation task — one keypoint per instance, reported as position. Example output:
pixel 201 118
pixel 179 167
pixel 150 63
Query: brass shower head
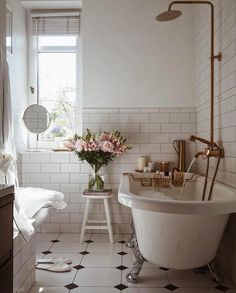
pixel 168 15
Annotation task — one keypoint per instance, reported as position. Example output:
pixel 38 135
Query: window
pixel 57 83
pixel 54 60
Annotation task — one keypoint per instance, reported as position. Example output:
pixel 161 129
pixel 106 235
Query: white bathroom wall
pixel 18 72
pixel 2 25
pixel 2 40
pixel 150 131
pixel 131 60
pixel 225 103
pixel 17 68
pixel 18 77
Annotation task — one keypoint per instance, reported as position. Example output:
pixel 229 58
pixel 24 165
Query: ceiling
pixel 51 4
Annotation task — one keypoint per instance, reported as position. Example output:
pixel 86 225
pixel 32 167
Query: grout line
pixel 121 275
pixel 81 259
pixel 122 261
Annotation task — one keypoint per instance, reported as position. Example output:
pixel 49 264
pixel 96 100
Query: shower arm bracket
pixel 218 57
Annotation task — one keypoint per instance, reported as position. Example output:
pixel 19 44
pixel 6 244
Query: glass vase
pixel 96 179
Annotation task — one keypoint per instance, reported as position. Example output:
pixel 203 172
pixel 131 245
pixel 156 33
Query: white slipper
pixel 57 268
pixel 55 260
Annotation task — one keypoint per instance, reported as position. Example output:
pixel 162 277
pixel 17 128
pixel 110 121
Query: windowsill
pixel 45 151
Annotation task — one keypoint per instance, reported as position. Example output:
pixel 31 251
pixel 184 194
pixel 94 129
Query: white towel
pixel 28 201
pixel 31 200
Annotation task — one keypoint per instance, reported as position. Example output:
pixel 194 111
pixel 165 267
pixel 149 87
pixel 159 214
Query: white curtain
pixel 8 171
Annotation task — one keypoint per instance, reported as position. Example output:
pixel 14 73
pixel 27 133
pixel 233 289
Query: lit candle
pixel 142 161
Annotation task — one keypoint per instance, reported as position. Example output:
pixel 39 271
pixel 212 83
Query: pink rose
pixel 69 145
pixel 107 147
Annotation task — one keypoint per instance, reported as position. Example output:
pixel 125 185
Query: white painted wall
pixel 18 72
pixel 130 60
pixel 2 42
pixel 2 24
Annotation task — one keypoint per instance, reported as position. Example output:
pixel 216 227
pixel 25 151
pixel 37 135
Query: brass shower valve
pixel 217 153
pixel 211 152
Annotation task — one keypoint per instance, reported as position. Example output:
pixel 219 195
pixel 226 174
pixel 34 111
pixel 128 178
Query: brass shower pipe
pixel 212 59
pixel 212 149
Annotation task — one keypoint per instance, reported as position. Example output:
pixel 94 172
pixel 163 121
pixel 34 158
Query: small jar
pixel 164 167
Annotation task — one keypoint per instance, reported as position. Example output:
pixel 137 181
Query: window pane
pixel 57 92
pixel 57 41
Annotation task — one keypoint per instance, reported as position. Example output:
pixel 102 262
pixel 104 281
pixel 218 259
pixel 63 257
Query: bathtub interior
pixel 192 191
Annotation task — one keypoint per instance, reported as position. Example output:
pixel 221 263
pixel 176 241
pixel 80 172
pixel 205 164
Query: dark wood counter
pixel 6 238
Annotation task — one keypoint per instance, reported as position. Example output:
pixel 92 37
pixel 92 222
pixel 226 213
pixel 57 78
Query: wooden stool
pixel 105 195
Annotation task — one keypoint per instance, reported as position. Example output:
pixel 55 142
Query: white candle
pixel 141 163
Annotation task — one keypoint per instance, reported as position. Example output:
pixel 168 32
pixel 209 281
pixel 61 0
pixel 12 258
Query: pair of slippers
pixel 57 264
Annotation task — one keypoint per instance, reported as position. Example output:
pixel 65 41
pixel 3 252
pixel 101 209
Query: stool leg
pixel 86 213
pixel 107 210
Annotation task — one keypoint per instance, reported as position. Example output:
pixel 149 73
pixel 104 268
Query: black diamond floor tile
pixel 164 269
pixel 122 241
pixel 122 253
pixel 221 288
pixel 84 252
pixel 71 286
pixel 121 268
pixel 89 241
pixel 55 241
pixel 120 286
pixel 78 267
pixel 171 287
pixel 46 252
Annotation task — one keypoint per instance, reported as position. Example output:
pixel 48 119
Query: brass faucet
pixel 212 149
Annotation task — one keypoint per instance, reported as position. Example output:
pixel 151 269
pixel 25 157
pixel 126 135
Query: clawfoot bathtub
pixel 176 232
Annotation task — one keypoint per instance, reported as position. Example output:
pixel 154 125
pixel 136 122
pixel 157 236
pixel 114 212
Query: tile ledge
pixel 29 152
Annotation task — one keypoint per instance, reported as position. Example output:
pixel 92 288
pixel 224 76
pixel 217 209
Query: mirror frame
pixel 46 112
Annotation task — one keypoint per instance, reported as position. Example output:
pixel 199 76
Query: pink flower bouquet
pixel 98 150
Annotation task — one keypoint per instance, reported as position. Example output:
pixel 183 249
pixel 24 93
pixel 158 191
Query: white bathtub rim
pixel 224 206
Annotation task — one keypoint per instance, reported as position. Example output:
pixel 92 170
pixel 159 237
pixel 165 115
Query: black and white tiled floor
pixel 101 267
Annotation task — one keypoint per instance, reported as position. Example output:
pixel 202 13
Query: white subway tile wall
pixel 225 102
pixel 149 131
pixel 24 264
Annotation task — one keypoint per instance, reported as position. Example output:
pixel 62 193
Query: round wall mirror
pixel 36 118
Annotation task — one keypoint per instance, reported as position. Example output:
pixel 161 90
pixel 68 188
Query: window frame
pixel 33 139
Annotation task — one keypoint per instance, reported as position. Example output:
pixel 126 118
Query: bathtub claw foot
pixel 217 278
pixel 215 275
pixel 132 276
pixel 130 242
